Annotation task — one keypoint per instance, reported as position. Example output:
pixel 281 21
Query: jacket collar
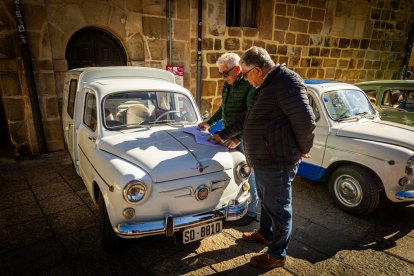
pixel 273 72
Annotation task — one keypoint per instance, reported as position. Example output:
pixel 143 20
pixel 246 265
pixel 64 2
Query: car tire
pixel 110 241
pixel 354 189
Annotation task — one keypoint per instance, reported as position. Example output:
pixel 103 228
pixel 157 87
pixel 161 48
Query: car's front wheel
pixel 110 241
pixel 354 189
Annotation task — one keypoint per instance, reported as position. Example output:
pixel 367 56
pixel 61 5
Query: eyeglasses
pixel 247 72
pixel 225 74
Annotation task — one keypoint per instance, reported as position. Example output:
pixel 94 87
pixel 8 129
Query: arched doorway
pixel 94 47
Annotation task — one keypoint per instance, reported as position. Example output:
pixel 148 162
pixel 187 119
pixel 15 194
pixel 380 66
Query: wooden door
pixel 94 47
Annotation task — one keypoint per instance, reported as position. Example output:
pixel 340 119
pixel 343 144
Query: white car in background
pixel 123 130
pixel 364 160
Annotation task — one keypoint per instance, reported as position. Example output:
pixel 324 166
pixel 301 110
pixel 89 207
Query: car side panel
pixel 385 160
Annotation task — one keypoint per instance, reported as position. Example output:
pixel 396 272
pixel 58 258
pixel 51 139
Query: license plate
pixel 202 231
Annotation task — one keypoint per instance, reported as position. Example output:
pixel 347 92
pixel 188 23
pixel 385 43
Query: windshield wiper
pixel 365 115
pixel 161 122
pixel 126 126
pixel 182 123
pixel 346 118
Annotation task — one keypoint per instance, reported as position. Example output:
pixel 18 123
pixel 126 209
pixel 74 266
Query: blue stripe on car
pixel 310 171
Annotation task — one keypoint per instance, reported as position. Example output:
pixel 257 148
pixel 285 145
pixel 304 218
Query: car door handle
pixel 68 126
pixel 93 139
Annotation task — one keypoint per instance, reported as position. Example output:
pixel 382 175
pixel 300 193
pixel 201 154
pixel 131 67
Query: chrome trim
pixel 199 189
pixel 135 183
pixel 229 212
pixel 238 169
pixel 189 188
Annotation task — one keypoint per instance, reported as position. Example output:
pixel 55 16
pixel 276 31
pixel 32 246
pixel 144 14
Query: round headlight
pixel 243 171
pixel 134 192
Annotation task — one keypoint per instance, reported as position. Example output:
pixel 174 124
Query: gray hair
pixel 256 56
pixel 228 59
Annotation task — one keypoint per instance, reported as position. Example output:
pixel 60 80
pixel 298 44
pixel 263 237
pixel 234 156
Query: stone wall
pixel 139 25
pixel 335 39
pixel 342 40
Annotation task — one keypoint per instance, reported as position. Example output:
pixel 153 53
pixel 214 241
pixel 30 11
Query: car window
pixel 314 106
pixel 409 101
pixel 342 104
pixel 371 93
pixel 90 114
pixel 134 108
pixel 393 98
pixel 71 98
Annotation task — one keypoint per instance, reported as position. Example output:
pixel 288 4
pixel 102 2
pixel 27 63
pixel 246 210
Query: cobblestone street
pixel 49 227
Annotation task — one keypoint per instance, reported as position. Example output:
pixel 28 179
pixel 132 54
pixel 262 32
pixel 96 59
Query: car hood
pixel 379 131
pixel 167 154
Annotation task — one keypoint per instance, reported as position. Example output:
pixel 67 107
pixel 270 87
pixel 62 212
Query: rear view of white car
pixel 365 160
pixel 123 129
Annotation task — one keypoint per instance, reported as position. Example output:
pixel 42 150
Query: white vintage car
pixel 365 160
pixel 123 129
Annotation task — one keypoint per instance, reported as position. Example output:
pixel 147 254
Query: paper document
pixel 201 136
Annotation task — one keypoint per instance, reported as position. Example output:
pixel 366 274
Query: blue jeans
pixel 275 192
pixel 252 209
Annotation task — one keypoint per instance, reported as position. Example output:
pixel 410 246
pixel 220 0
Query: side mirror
pixel 205 115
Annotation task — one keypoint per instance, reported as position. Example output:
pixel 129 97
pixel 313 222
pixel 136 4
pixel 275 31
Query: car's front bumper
pixel 171 224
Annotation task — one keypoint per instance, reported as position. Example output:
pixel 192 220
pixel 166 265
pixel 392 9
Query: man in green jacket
pixel 236 96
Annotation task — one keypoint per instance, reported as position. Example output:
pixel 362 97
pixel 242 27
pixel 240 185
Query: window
pixel 90 115
pixel 241 13
pixel 371 93
pixel 343 104
pixel 133 109
pixel 71 98
pixel 392 98
pixel 315 108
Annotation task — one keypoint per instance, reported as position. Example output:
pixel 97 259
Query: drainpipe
pixel 199 57
pixel 169 33
pixel 28 69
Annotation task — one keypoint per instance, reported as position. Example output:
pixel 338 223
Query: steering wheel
pixel 165 113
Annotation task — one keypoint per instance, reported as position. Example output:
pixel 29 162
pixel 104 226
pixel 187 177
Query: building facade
pixel 340 40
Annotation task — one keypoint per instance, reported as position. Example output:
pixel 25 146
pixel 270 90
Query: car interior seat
pixel 108 115
pixel 136 114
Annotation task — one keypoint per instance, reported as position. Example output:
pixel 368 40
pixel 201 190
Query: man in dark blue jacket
pixel 278 132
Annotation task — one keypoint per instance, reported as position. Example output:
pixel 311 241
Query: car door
pixel 311 168
pixel 86 138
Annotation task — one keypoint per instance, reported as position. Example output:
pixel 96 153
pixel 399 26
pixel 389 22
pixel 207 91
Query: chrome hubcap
pixel 348 190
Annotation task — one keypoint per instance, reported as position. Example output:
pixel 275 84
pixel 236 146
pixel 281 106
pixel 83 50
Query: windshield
pixel 133 109
pixel 346 104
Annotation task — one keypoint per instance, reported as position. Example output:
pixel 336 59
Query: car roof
pixel 88 74
pixel 382 82
pixel 321 86
pixel 105 86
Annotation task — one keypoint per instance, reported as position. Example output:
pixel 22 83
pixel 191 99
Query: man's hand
pixel 215 139
pixel 306 155
pixel 204 126
pixel 232 143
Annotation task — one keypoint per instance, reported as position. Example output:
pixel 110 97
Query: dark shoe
pixel 245 220
pixel 266 261
pixel 254 237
